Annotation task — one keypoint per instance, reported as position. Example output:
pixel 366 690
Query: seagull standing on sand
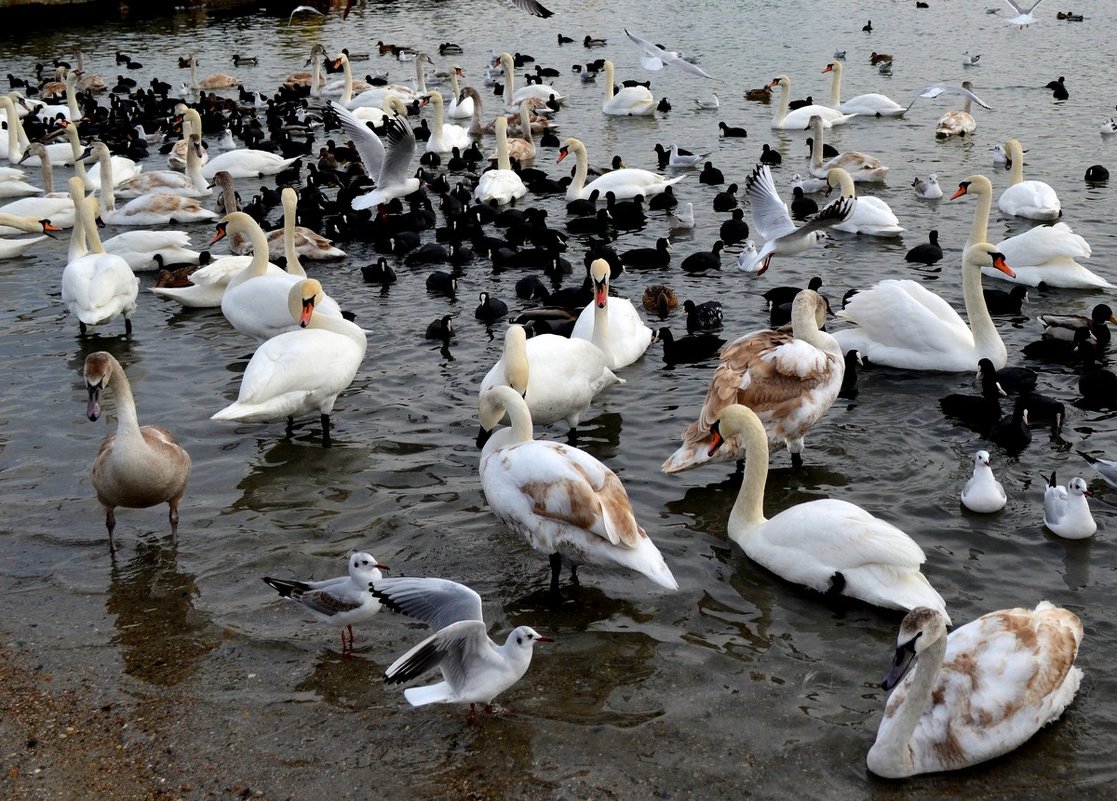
pixel 474 668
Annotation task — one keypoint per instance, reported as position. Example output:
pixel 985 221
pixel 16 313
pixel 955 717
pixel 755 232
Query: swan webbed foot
pixel 797 461
pixel 837 585
pixel 326 441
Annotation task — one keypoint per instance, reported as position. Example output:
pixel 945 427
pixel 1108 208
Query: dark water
pixel 737 684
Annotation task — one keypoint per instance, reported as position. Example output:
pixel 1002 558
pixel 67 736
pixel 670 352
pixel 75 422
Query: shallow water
pixel 739 682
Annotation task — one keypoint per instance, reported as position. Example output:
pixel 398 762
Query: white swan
pixel 1045 254
pixel 61 153
pixel 627 182
pixel 1066 511
pixel 869 105
pixel 136 466
pixel 179 157
pixel 788 380
pixel 859 166
pixel 560 499
pixel 975 694
pixel 1033 200
pixel 390 164
pixel 982 492
pixel 630 101
pixel 800 117
pixel 152 209
pixel 139 248
pixel 522 147
pixel 117 169
pixel 831 546
pixel 558 377
pixel 460 108
pixel 58 207
pixel 612 324
pixel 256 302
pixel 375 95
pixel 513 96
pixel 956 123
pixel 96 286
pixel 444 136
pixel 247 163
pixel 301 370
pixel 169 182
pixel 10 248
pixel 502 184
pixel 871 216
pixel 13 185
pixel 295 242
pixel 902 324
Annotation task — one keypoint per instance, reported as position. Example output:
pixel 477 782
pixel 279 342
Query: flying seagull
pixel 936 89
pixel 1023 16
pixel 657 57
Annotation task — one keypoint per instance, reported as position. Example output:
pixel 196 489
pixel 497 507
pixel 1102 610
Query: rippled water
pixel 738 684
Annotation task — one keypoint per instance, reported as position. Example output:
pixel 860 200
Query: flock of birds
pixel 769 387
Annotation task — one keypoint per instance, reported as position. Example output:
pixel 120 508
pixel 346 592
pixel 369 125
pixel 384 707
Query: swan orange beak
pixel 828 68
pixel 716 439
pixel 307 312
pixel 961 190
pixel 217 237
pixel 563 153
pixel 999 263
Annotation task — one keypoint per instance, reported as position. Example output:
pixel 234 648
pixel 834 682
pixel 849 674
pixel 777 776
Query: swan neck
pixel 836 86
pixel 601 326
pixel 77 247
pixel 503 161
pixel 1016 175
pixel 347 75
pixel 785 101
pixel 608 81
pixel 748 509
pixel 259 239
pixel 104 165
pixel 895 749
pixel 987 342
pixel 509 80
pixel 519 415
pixel 294 265
pixel 15 153
pixel 979 231
pixel 127 419
pixel 339 325
pixel 581 168
pixel 816 146
pixel 48 174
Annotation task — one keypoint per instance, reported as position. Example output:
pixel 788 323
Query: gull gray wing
pixel 435 601
pixel 368 144
pixel 451 649
pixel 769 213
pixel 399 148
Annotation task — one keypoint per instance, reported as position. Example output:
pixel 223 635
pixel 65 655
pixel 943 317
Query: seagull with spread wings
pixel 388 165
pixel 1023 16
pixel 936 89
pixel 657 57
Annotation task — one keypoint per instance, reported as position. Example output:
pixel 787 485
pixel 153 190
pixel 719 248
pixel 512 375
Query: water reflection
pixel 161 635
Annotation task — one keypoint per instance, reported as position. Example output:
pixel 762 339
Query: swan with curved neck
pixel 513 96
pixel 1044 254
pixel 58 207
pixel 859 166
pixel 444 137
pixel 800 117
pixel 624 183
pixel 612 324
pixel 502 184
pixel 829 545
pixel 871 215
pixel 460 108
pixel 788 380
pixel 1033 200
pixel 630 101
pixel 902 324
pixel 867 105
pixel 976 694
pixel 562 500
pixel 303 369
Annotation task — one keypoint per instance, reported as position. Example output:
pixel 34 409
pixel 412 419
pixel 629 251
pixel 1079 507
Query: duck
pixel 860 166
pixel 711 175
pixel 1058 89
pixel 939 718
pixel 802 206
pixel 927 188
pixel 659 298
pixel 772 220
pixel 1001 302
pixel 136 466
pixel 1066 511
pixel 979 412
pixel 1045 254
pixel 769 156
pixel 302 370
pixel 490 309
pixel 501 185
pixel 612 324
pixel 624 183
pixel 735 229
pixel 868 105
pixel 1065 326
pixel 389 160
pixel 703 260
pixel 257 302
pixel 1062 351
pixel 761 95
pixel 899 323
pixel 1032 200
pixel 558 377
pixel 96 286
pixel 800 117
pixel 831 546
pixel 983 493
pixel 928 253
pixel 630 101
pixel 789 379
pixel 559 498
pixel 732 130
pixel 1011 432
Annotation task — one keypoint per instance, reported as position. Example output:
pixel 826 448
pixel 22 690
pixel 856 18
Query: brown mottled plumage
pixel 138 466
pixel 788 379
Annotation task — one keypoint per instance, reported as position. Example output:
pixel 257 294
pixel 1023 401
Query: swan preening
pixel 831 546
pixel 138 466
pixel 563 501
pixel 630 101
pixel 976 694
pixel 1033 200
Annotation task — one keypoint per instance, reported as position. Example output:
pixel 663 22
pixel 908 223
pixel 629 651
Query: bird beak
pixel 999 263
pixel 307 312
pixel 49 227
pixel 93 408
pixel 961 190
pixel 379 566
pixel 217 237
pixel 600 293
pixel 717 440
pixel 828 68
pixel 563 153
pixel 541 638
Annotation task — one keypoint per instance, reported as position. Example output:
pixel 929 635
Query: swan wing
pixel 770 214
pixel 905 314
pixel 368 144
pixel 1042 244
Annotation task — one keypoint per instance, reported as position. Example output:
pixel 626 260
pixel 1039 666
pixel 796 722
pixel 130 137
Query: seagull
pixel 983 493
pixel 1023 16
pixel 1066 511
pixel 341 601
pixel 303 10
pixel 390 165
pixel 970 61
pixel 710 102
pixel 772 220
pixel 936 89
pixel 1107 468
pixel 657 57
pixel 474 668
pixel 840 54
pixel 682 218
